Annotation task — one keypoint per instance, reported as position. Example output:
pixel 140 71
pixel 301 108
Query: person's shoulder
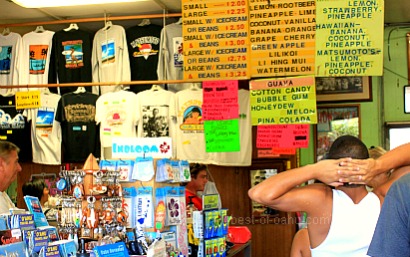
pixel 404 179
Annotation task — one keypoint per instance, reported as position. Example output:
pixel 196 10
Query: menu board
pixel 215 35
pixel 282 37
pixel 349 38
pixel 283 101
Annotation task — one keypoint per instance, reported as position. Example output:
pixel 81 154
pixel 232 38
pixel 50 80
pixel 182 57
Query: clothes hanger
pixel 80 90
pixel 179 21
pixel 71 27
pixel 6 31
pixel 145 22
pixel 39 29
pixel 156 87
pixel 195 86
pixel 107 22
pixel 46 91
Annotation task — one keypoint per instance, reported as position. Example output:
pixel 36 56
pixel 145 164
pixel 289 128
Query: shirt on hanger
pixel 71 58
pixel 143 47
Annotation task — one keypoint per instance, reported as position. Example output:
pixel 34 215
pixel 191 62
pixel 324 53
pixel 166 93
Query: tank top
pixel 352 226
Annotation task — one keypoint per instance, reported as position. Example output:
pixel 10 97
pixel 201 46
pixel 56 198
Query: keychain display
pixel 98 186
pixel 77 183
pixel 94 209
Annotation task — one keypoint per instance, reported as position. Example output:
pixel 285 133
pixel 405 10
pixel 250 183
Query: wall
pixel 395 73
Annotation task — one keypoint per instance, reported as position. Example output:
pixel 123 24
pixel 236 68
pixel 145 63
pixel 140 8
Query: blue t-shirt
pixel 392 234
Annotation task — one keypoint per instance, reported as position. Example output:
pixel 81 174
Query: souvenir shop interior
pixel 119 130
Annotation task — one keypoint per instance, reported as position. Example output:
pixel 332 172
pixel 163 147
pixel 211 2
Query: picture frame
pixel 339 89
pixel 334 121
pixel 406 93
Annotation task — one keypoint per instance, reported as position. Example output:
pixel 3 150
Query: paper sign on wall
pixel 222 136
pixel 283 136
pixel 220 100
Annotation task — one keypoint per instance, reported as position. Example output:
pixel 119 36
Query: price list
pixel 215 35
pixel 349 38
pixel 282 37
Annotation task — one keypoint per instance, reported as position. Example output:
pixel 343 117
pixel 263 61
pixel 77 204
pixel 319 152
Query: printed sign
pixel 131 148
pixel 27 99
pixel 283 101
pixel 349 38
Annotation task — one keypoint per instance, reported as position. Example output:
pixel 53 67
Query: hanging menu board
pixel 282 37
pixel 349 38
pixel 215 35
pixel 283 101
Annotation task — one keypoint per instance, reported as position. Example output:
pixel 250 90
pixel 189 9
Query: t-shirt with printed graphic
pixel 14 127
pixel 171 56
pixel 156 114
pixel 117 116
pixel 80 133
pixel 244 156
pixel 71 57
pixel 45 130
pixel 143 48
pixel 35 58
pixel 190 140
pixel 109 60
pixel 10 49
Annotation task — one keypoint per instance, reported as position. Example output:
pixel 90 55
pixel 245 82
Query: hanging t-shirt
pixel 45 130
pixel 14 127
pixel 117 116
pixel 71 58
pixel 244 156
pixel 110 61
pixel 35 58
pixel 10 49
pixel 157 114
pixel 190 127
pixel 80 133
pixel 171 57
pixel 143 47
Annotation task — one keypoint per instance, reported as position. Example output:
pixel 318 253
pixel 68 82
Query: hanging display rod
pixel 114 18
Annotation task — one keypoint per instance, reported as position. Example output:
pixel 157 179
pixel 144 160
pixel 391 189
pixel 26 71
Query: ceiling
pixel 11 13
pixel 396 12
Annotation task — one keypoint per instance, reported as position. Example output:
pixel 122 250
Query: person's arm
pixel 280 192
pixel 369 168
pixel 395 175
pixel 300 244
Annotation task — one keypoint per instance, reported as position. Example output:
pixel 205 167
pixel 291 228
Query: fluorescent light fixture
pixel 59 3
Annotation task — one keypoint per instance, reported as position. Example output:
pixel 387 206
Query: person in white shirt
pixel 9 168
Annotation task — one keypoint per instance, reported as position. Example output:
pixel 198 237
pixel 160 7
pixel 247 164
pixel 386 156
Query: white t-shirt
pixel 5 203
pixel 117 115
pixel 10 49
pixel 110 61
pixel 157 114
pixel 190 128
pixel 35 58
pixel 45 130
pixel 244 156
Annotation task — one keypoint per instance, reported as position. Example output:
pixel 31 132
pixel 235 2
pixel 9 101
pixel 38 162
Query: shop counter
pixel 239 248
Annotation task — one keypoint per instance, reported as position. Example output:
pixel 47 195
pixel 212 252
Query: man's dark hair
pixel 195 168
pixel 348 146
pixel 34 188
